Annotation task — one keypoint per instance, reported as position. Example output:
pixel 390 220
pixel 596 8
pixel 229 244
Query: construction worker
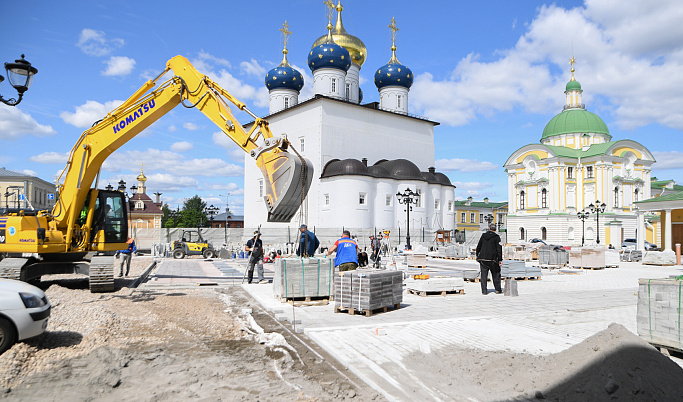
pixel 347 252
pixel 308 242
pixel 255 247
pixel 126 255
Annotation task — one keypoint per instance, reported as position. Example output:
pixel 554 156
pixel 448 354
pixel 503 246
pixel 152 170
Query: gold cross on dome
pixel 393 28
pixel 142 165
pixel 286 32
pixel 330 7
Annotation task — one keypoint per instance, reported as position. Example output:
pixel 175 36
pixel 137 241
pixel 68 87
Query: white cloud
pixel 231 188
pixel 50 157
pixel 172 128
pixel 119 65
pixel 95 43
pixel 235 152
pixel 89 113
pixel 30 172
pixel 172 163
pixel 628 55
pixel 464 165
pixel 668 160
pixel 190 126
pixel 253 67
pixel 207 64
pixel 471 186
pixel 181 146
pixel 14 124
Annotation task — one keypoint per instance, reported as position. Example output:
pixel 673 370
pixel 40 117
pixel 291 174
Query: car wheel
pixel 7 335
pixel 178 254
pixel 208 253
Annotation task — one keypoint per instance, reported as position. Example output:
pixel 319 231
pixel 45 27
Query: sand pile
pixel 613 364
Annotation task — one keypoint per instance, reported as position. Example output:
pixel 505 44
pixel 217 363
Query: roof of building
pixel 573 85
pixel 149 206
pixel 12 175
pixel 666 184
pixel 572 121
pixel 231 217
pixel 677 196
pixel 356 48
pixel 399 169
pixel 480 204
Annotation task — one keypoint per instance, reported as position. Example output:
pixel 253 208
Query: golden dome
pixel 355 46
pixel 141 176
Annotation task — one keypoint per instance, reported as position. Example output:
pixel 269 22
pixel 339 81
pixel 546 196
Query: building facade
pixel 143 212
pixel 472 215
pixel 22 191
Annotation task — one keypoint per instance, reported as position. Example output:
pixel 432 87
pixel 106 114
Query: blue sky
pixel 491 72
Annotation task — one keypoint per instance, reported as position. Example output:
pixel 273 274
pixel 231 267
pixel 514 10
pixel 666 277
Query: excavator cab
pixel 109 220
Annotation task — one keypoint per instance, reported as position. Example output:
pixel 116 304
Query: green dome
pixel 575 121
pixel 573 85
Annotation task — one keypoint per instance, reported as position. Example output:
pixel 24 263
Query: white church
pixel 362 154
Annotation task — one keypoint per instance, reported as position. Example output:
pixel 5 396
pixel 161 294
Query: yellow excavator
pixel 86 221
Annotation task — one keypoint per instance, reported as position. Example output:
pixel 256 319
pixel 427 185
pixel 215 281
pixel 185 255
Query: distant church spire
pixel 573 90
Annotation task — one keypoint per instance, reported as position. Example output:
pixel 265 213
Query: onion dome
pixel 141 177
pixel 379 171
pixel 572 121
pixel 573 85
pixel 284 76
pixel 329 55
pixel 356 48
pixel 393 73
pixel 443 179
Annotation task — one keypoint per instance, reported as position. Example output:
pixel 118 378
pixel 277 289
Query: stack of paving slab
pixel 587 257
pixel 303 277
pixel 658 318
pixel 417 260
pixel 667 257
pixel 552 255
pixel 368 289
pixel 631 255
pixel 456 251
pixel 612 258
pixel 517 252
pixel 436 284
pixel 518 269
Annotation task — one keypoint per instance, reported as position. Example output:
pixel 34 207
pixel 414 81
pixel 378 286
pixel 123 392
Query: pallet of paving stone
pixel 658 316
pixel 631 255
pixel 367 313
pixel 456 251
pixel 417 260
pixel 552 256
pixel 426 293
pixel 299 278
pixel 612 258
pixel 587 257
pixel 313 300
pixel 368 289
pixel 436 284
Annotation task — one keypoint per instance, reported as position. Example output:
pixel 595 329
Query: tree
pixel 192 215
pixel 167 220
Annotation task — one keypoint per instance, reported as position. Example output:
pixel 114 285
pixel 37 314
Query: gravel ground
pixel 166 345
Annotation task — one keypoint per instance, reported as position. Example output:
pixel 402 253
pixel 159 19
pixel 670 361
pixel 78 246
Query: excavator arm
pixel 287 177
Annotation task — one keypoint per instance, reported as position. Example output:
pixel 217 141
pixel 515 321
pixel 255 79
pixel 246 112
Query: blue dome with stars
pixel 393 74
pixel 284 77
pixel 329 55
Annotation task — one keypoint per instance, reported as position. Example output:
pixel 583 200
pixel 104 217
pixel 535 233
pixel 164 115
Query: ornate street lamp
pixel 488 218
pixel 408 197
pixel 583 215
pixel 175 215
pixel 109 187
pixel 597 209
pixel 20 75
pixel 211 211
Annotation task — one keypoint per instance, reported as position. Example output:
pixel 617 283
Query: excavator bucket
pixel 287 180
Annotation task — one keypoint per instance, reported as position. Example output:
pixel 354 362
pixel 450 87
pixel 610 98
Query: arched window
pixel 544 233
pixel 616 197
pixel 521 234
pixel 544 198
pixel 635 195
pixel 286 103
pixel 334 85
pixel 521 200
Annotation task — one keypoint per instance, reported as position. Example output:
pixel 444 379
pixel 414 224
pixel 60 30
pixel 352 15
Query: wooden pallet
pixel 368 313
pixel 307 299
pixel 449 258
pixel 589 268
pixel 475 280
pixel 425 293
pixel 522 278
pixel 417 266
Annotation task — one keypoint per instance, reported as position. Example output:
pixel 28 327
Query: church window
pixel 450 206
pixel 334 85
pixel 616 197
pixel 387 201
pixel 260 188
pixel 544 233
pixel 589 172
pixel 437 204
pixel 521 200
pixel 348 91
pixel 521 234
pixel 462 218
pixel 362 200
pixel 301 144
pixel 635 195
pixel 570 172
pixel 471 217
pixel 481 218
pixel 398 101
pixel 286 103
pixel 139 205
pixel 544 198
pixel 327 199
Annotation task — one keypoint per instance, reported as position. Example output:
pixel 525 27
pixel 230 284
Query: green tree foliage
pixel 167 219
pixel 193 215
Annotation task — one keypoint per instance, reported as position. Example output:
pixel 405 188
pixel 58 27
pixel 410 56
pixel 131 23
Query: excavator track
pixel 101 274
pixel 10 268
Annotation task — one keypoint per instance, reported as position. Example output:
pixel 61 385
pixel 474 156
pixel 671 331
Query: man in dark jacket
pixel 490 257
pixel 308 243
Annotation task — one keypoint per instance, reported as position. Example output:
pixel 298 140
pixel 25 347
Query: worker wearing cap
pixel 125 256
pixel 375 246
pixel 255 246
pixel 308 243
pixel 347 252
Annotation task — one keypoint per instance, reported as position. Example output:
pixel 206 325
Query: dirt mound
pixel 613 364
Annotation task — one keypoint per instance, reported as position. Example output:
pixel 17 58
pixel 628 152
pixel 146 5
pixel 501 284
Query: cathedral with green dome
pixel 576 168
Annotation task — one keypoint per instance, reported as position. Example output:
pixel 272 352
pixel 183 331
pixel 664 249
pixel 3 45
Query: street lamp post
pixel 20 75
pixel 211 211
pixel 583 215
pixel 488 218
pixel 408 197
pixel 227 212
pixel 597 209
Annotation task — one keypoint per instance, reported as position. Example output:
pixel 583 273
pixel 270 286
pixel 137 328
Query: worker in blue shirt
pixel 347 252
pixel 308 242
pixel 125 256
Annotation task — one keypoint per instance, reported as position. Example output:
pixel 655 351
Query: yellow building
pixel 577 164
pixel 471 215
pixel 142 211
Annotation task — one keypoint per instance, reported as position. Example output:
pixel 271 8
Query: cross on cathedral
pixel 394 29
pixel 286 32
pixel 330 7
pixel 142 165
